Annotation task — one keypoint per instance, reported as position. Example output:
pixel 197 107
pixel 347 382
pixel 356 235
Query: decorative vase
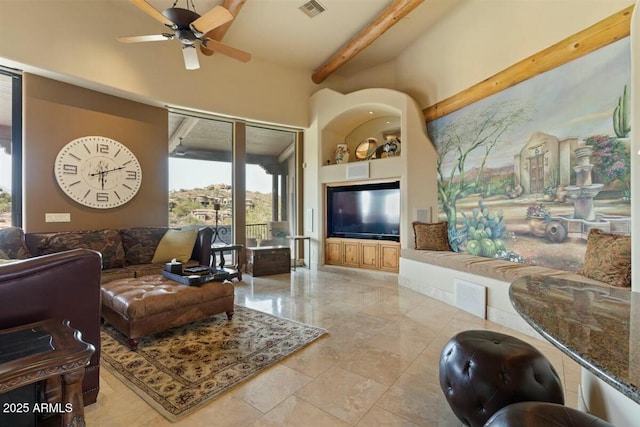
pixel 537 226
pixel 392 146
pixel 342 153
pixel 561 194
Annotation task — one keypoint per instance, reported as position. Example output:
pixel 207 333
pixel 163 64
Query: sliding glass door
pixel 10 149
pixel 205 152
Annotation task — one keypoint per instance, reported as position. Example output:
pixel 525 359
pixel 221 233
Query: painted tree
pixel 468 142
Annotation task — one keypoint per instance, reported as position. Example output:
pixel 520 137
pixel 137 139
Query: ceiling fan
pixel 189 28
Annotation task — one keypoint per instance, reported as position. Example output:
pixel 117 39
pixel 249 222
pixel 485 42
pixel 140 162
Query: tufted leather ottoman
pixel 483 371
pixel 541 414
pixel 145 305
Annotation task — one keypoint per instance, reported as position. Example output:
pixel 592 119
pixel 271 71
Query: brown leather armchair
pixel 65 285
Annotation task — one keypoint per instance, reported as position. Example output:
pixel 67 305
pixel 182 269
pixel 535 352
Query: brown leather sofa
pixel 126 253
pixel 65 285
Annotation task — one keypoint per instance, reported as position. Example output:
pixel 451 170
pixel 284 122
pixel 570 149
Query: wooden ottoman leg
pixel 133 343
pixel 229 315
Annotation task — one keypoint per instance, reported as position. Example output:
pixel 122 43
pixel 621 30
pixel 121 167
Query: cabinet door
pixel 333 254
pixel 351 257
pixel 389 257
pixel 369 255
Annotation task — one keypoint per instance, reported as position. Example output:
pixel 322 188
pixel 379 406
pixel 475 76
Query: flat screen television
pixel 366 211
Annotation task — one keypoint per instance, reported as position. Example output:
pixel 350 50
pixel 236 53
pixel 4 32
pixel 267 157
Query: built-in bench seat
pixel 476 284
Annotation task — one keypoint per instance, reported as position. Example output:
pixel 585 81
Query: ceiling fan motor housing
pixel 182 19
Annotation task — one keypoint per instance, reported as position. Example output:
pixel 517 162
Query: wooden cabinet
pixel 369 254
pixel 389 257
pixel 333 252
pixel 351 250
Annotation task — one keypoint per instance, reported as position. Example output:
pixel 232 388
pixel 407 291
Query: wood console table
pixel 50 348
pixel 295 240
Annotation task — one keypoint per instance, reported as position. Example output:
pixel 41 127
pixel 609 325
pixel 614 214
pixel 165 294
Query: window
pixel 201 174
pixel 10 149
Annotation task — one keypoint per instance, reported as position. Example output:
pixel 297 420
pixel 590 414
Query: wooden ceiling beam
pixel 387 19
pixel 217 34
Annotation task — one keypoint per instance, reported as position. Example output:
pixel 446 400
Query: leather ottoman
pixel 145 305
pixel 543 414
pixel 483 371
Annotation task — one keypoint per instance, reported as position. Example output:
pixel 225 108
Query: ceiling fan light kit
pixel 190 57
pixel 189 28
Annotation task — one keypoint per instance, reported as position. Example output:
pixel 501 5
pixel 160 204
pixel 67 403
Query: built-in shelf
pixel 351 119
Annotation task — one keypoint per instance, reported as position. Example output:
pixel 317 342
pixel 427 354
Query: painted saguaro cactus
pixel 622 115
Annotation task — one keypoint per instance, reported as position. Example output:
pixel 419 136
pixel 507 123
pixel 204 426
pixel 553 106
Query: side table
pixel 47 348
pixel 295 240
pixel 236 259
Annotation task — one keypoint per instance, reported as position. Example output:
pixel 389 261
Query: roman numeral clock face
pixel 98 172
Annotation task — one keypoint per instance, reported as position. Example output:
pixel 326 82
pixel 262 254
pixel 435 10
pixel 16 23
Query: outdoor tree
pixel 5 201
pixel 465 143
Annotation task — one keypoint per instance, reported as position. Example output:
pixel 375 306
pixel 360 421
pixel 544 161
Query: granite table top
pixel 597 326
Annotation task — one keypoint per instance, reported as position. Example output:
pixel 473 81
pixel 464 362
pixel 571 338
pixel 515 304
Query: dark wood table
pixel 233 270
pixel 41 350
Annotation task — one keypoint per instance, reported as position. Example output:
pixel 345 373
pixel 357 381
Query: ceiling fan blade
pixel 233 6
pixel 205 50
pixel 149 38
pixel 190 55
pixel 212 19
pixel 224 49
pixel 153 12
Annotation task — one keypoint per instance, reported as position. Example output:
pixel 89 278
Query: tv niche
pixel 364 211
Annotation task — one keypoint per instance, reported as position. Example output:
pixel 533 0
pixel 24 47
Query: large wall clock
pixel 98 172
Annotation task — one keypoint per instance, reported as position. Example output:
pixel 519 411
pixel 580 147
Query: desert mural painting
pixel 526 173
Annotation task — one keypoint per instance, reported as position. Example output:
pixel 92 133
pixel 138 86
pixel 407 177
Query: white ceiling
pixel 277 31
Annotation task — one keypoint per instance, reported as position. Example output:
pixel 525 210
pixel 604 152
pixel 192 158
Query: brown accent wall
pixel 56 113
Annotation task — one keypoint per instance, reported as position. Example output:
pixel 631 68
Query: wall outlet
pixel 57 217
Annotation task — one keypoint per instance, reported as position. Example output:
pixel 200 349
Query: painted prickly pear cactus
pixel 483 231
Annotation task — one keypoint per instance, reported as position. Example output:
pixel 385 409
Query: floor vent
pixel 312 8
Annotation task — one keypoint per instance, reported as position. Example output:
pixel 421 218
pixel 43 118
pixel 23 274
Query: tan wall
pixel 81 47
pixel 478 39
pixel 56 113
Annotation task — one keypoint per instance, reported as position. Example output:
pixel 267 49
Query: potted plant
pixel 538 216
pixel 549 193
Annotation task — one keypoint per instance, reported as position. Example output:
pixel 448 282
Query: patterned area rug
pixel 178 370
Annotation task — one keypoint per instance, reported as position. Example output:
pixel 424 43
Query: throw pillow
pixel 608 258
pixel 431 236
pixel 12 243
pixel 107 242
pixel 176 244
pixel 140 243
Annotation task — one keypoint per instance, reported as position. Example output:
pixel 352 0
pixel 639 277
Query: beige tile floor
pixel 378 365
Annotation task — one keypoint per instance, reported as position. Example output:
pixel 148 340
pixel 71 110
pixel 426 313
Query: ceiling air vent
pixel 312 8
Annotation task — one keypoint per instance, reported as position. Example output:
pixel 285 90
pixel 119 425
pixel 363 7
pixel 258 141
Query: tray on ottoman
pixel 197 279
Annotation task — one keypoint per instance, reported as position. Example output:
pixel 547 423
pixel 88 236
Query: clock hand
pixel 104 172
